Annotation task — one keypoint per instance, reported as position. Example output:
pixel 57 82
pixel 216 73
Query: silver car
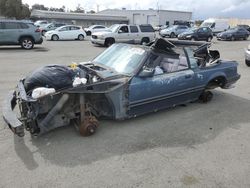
pixel 13 32
pixel 173 31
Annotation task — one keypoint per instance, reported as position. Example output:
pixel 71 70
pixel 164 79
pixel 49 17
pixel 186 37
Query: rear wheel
pixel 55 37
pixel 192 39
pixel 27 43
pixel 109 42
pixel 80 37
pixel 247 63
pixel 206 96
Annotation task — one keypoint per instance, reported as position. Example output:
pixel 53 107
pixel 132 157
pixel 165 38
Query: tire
pixel 54 37
pixel 232 38
pixel 88 33
pixel 144 41
pixel 172 35
pixel 209 39
pixel 80 37
pixel 245 38
pixel 247 63
pixel 109 42
pixel 206 96
pixel 27 43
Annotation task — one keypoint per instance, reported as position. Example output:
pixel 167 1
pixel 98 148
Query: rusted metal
pixel 88 126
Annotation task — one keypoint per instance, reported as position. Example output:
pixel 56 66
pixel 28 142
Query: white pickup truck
pixel 122 33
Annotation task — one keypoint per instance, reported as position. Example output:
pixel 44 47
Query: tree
pixel 79 9
pixel 14 9
pixel 39 7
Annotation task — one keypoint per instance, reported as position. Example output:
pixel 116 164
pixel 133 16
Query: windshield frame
pixel 140 62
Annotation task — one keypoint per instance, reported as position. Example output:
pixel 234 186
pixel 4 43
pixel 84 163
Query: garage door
pixel 152 19
pixel 136 19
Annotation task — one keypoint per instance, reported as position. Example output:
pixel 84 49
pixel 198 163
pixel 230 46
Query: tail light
pixel 38 30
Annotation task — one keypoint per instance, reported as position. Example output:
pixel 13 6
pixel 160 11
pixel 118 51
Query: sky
pixel 201 9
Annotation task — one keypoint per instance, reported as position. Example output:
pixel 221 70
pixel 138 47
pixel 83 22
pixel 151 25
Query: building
pixel 77 18
pixel 153 17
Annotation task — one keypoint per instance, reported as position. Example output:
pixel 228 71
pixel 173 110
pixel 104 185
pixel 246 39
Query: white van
pixel 217 25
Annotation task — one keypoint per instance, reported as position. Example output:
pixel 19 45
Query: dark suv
pixel 13 32
pixel 201 33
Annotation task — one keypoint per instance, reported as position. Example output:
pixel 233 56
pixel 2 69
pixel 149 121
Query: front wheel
pixel 27 43
pixel 206 96
pixel 232 38
pixel 144 41
pixel 55 37
pixel 172 35
pixel 209 39
pixel 192 39
pixel 43 33
pixel 109 42
pixel 80 37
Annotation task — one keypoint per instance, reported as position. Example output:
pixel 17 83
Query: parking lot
pixel 198 145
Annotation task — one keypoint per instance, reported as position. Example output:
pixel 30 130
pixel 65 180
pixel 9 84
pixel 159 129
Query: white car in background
pixel 68 32
pixel 95 28
pixel 40 23
pixel 247 56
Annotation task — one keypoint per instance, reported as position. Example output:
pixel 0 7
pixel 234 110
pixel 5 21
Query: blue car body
pixel 121 92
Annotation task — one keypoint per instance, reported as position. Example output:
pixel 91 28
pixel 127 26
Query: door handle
pixel 188 76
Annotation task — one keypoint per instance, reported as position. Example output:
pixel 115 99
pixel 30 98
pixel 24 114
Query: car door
pixel 163 89
pixel 202 33
pixel 123 35
pixel 64 33
pixel 10 32
pixel 134 34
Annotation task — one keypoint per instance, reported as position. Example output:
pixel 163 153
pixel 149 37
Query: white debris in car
pixel 42 91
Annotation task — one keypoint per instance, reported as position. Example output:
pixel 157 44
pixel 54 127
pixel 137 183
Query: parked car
pixel 247 27
pixel 173 31
pixel 201 33
pixel 234 34
pixel 247 56
pixel 49 27
pixel 68 32
pixel 216 25
pixel 95 28
pixel 136 34
pixel 40 23
pixel 25 34
pixel 123 82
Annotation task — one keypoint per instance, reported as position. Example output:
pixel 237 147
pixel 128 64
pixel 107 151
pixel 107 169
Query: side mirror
pixel 149 72
pixel 120 31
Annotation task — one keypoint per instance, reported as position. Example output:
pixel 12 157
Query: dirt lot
pixel 200 145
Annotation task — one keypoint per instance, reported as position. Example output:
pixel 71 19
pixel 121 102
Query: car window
pixel 146 28
pixel 23 26
pixel 133 29
pixel 124 29
pixel 74 28
pixel 99 27
pixel 11 25
pixel 174 64
pixel 192 60
pixel 1 25
pixel 65 29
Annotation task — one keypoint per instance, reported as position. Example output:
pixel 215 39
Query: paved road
pixel 200 145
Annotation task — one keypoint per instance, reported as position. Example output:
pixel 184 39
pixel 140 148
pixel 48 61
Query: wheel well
pixel 218 81
pixel 25 36
pixel 109 38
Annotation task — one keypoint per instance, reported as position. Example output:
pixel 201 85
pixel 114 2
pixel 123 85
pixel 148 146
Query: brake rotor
pixel 89 126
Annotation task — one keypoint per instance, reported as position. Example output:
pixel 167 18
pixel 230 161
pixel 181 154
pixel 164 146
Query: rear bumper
pixel 231 81
pixel 10 117
pixel 40 41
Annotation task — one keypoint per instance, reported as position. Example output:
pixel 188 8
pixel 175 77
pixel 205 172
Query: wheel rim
pixel 55 37
pixel 27 44
pixel 81 37
pixel 209 39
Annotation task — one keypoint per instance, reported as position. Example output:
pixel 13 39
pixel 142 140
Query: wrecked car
pixel 124 81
